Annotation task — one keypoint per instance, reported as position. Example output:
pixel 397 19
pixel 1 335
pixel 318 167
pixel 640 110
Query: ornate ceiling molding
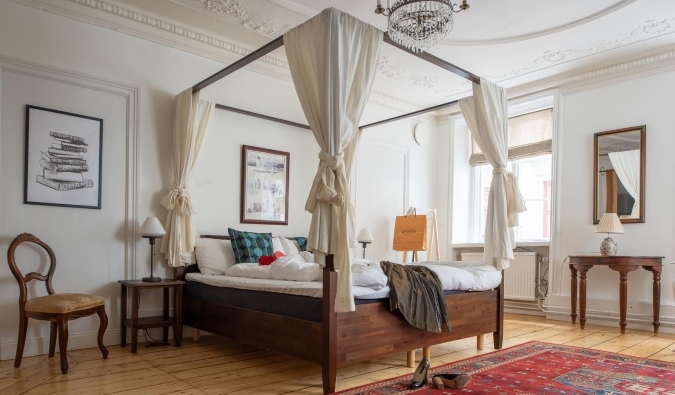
pixel 246 18
pixel 541 33
pixel 651 28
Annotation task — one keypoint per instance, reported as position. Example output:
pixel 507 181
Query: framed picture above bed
pixel 62 159
pixel 264 186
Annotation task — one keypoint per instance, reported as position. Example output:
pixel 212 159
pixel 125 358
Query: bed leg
pixel 498 336
pixel 410 359
pixel 329 320
pixel 480 341
pixel 426 352
pixel 195 334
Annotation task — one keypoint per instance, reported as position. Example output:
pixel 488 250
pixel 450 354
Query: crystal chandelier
pixel 419 24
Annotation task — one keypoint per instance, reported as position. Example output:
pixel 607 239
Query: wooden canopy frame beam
pixel 279 42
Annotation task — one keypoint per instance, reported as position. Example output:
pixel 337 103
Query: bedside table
pixel 164 321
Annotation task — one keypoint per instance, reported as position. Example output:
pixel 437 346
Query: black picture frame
pixel 62 159
pixel 268 186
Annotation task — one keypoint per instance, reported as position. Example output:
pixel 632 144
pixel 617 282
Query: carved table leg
pixel 656 301
pixel 582 296
pixel 623 299
pixel 573 295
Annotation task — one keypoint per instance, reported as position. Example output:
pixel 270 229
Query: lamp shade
pixel 152 228
pixel 364 236
pixel 609 223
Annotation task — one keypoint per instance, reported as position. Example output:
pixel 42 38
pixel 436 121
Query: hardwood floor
pixel 215 365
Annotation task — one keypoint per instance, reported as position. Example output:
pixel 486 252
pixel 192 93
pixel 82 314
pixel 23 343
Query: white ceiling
pixel 510 42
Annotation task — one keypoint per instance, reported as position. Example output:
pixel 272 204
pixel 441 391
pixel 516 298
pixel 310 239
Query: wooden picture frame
pixel 62 159
pixel 600 172
pixel 264 186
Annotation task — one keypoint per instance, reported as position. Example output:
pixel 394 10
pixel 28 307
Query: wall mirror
pixel 619 174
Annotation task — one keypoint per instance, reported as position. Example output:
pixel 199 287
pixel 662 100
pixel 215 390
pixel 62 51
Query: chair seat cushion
pixel 63 303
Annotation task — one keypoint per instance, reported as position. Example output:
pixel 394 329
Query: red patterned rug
pixel 542 368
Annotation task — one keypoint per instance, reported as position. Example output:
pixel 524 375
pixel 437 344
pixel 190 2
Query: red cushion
pixel 265 260
pixel 268 259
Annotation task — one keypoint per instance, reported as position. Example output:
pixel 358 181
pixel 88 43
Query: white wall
pixel 90 244
pixel 632 102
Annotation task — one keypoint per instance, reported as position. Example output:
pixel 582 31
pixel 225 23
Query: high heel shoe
pixel 454 381
pixel 420 376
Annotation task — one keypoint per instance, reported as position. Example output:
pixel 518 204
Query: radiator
pixel 520 280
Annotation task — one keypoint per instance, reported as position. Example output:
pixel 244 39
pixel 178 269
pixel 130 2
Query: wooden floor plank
pixel 218 366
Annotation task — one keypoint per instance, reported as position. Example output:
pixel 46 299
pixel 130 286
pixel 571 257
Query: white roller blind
pixel 529 135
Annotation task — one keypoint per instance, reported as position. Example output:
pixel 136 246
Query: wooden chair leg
pixel 52 338
pixel 195 334
pixel 23 327
pixel 480 341
pixel 101 330
pixel 63 342
pixel 410 359
pixel 426 351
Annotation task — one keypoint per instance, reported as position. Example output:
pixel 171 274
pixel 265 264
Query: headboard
pixel 180 272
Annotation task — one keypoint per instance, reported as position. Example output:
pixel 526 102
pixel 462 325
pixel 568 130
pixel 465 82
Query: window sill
pixel 521 244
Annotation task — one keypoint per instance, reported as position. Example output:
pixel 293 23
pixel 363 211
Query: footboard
pixel 373 331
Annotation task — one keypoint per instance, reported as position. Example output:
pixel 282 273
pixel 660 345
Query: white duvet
pixel 367 275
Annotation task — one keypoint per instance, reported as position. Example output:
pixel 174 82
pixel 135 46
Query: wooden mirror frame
pixel 642 129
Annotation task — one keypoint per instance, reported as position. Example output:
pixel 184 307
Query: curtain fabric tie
pixel 329 182
pixel 179 199
pixel 515 203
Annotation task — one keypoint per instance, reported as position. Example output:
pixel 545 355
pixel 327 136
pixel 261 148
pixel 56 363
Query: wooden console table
pixel 623 265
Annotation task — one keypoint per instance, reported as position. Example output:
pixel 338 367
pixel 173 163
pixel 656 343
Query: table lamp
pixel 152 229
pixel 365 238
pixel 609 223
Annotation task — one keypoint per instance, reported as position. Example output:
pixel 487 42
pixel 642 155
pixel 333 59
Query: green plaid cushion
pixel 302 242
pixel 250 246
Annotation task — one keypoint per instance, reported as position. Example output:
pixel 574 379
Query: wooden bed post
pixel 498 336
pixel 329 344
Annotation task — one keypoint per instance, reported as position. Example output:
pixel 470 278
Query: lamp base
pixel 151 279
pixel 609 247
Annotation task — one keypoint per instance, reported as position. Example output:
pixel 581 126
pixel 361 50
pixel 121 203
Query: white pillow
pixel 214 256
pixel 368 274
pixel 277 244
pixel 290 246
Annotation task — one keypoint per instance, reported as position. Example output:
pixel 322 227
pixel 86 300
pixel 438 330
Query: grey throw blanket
pixel 417 292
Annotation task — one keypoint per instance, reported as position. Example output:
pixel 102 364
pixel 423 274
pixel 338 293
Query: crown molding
pixel 577 81
pixel 145 26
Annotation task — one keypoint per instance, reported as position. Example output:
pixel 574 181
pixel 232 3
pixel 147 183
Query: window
pixel 530 159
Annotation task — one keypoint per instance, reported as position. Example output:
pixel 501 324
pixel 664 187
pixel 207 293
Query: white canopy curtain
pixel 333 58
pixel 190 122
pixel 627 167
pixel 486 114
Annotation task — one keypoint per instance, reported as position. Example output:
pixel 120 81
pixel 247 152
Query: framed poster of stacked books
pixel 264 186
pixel 63 159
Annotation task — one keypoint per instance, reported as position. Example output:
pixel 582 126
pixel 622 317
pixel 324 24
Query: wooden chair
pixel 56 308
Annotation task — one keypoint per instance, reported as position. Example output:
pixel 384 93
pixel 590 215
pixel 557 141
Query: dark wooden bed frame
pixel 344 338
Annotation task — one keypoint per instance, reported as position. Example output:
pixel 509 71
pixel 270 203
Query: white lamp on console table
pixel 609 223
pixel 152 229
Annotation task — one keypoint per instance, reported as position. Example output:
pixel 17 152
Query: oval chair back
pixel 20 278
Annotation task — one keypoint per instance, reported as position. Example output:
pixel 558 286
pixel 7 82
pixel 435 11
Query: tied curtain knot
pixel 515 203
pixel 330 181
pixel 179 199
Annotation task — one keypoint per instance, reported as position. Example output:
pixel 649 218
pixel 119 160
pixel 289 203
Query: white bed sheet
pixel 454 276
pixel 313 289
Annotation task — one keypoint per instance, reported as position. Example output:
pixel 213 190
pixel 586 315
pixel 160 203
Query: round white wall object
pixel 421 134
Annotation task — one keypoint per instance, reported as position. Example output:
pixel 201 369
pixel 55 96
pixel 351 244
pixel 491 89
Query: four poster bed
pixel 332 58
pixel 331 339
